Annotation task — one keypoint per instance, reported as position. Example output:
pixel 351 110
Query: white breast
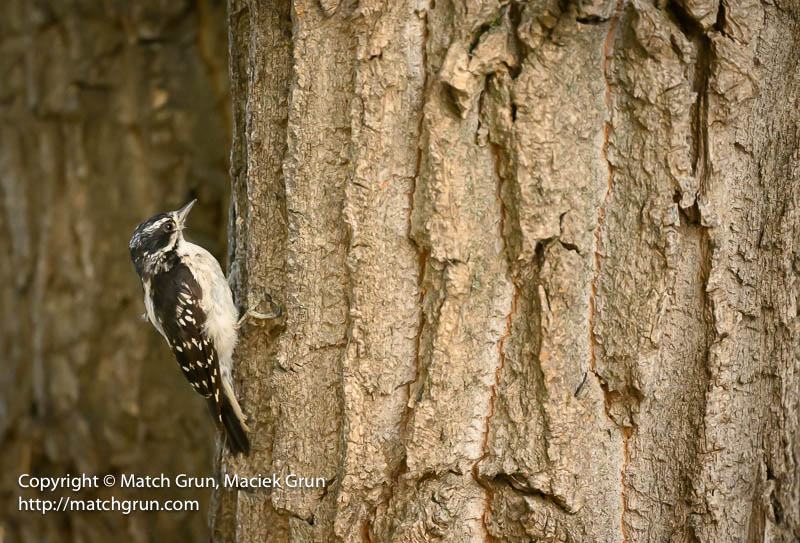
pixel 217 302
pixel 151 313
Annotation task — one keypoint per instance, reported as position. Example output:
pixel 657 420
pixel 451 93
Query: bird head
pixel 156 238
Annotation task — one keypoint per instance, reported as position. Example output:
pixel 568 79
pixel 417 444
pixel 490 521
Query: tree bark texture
pixel 539 263
pixel 110 112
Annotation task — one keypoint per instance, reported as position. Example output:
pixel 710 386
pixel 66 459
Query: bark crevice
pixel 625 432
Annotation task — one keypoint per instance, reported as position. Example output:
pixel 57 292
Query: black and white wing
pixel 176 304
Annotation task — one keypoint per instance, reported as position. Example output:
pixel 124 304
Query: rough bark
pixel 539 268
pixel 111 111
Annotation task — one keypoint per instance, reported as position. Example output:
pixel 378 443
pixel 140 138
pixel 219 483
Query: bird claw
pixel 144 316
pixel 253 314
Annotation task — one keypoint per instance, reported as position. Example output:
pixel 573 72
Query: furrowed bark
pixel 538 268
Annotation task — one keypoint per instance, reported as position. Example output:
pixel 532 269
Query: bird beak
pixel 184 211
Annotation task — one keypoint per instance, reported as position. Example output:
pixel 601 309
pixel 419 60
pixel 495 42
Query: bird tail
pixel 230 420
pixel 234 428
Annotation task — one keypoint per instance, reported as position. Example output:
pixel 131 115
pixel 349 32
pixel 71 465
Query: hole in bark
pixel 513 112
pixel 425 477
pixel 539 251
pixel 719 25
pixel 514 71
pixel 452 99
pixel 569 246
pixel 591 20
pixel 688 25
pixel 483 29
pixel 690 215
pixel 776 509
pixel 521 50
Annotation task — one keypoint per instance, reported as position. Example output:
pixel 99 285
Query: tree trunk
pixel 110 111
pixel 539 268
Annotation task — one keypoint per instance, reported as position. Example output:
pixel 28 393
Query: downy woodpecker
pixel 189 302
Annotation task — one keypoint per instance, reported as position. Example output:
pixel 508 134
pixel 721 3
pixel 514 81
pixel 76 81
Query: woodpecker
pixel 189 302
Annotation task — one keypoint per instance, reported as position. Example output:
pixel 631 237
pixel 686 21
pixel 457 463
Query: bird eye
pixel 169 227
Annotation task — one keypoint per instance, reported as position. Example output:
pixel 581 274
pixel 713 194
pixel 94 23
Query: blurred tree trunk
pixel 539 264
pixel 111 112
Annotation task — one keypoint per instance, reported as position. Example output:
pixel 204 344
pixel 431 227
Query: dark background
pixel 111 111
